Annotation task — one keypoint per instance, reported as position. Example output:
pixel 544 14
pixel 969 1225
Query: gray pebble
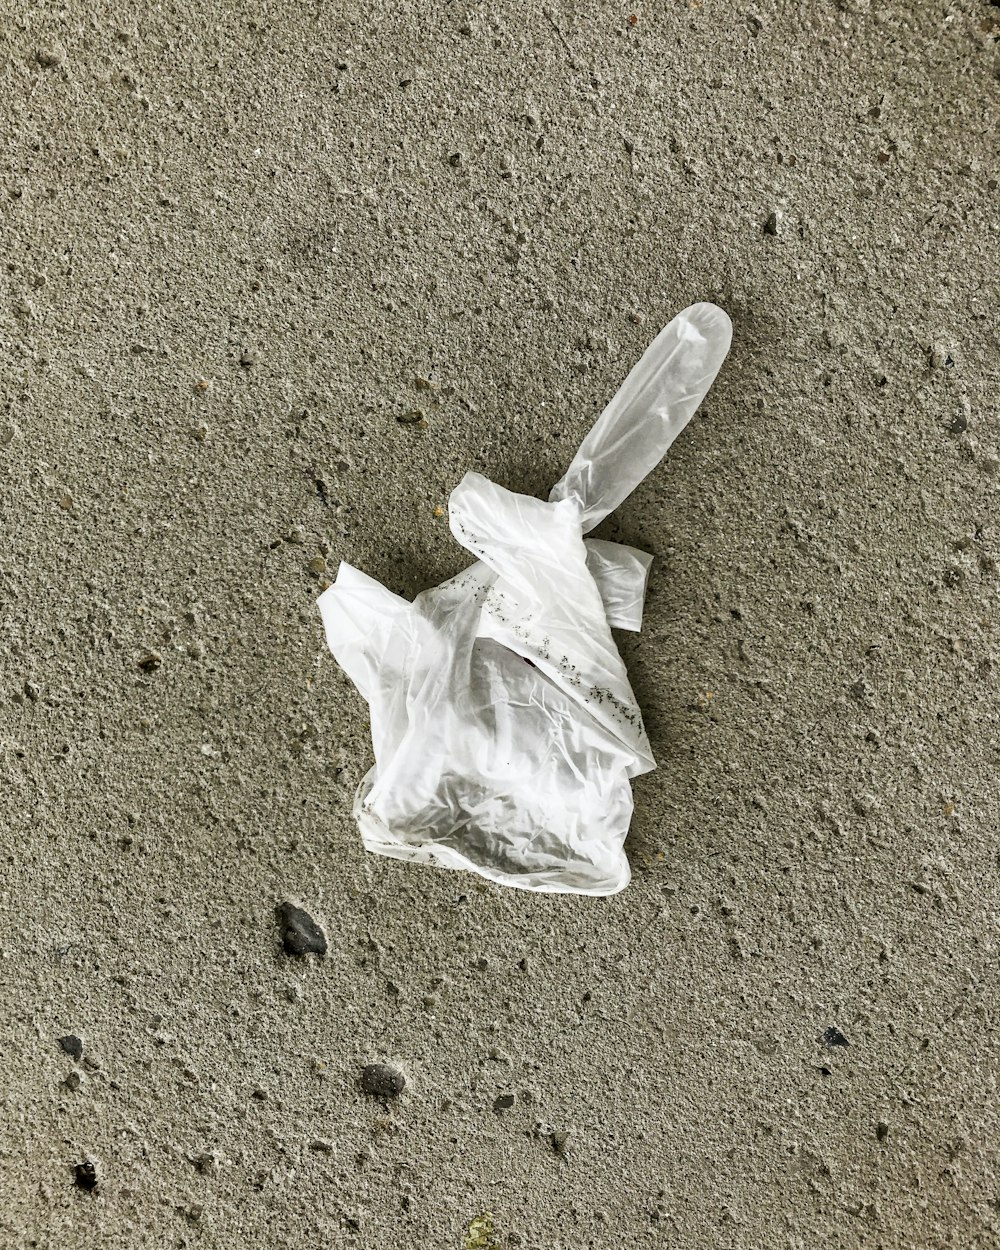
pixel 380 1081
pixel 72 1045
pixel 85 1175
pixel 300 934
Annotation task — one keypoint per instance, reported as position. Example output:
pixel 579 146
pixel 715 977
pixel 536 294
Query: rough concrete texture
pixel 274 276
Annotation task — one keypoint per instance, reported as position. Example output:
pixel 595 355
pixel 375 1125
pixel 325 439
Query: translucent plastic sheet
pixel 504 727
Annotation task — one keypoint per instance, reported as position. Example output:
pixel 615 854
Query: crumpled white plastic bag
pixel 504 726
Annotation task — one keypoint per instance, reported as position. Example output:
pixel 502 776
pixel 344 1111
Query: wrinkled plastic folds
pixel 504 727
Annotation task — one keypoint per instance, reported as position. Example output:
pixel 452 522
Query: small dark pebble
pixel 73 1082
pixel 85 1176
pixel 151 661
pixel 300 934
pixel 834 1037
pixel 771 225
pixel 960 424
pixel 72 1045
pixel 381 1081
pixel 503 1103
pixel 826 1071
pixel 882 1130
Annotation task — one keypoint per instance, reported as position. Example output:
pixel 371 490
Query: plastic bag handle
pixel 653 405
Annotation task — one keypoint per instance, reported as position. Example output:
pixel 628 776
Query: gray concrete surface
pixel 481 213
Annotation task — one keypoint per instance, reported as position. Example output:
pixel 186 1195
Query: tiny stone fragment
pixel 300 934
pixel 207 1164
pixel 503 1103
pixel 72 1045
pixel 882 1130
pixel 151 661
pixel 772 223
pixel 940 357
pixel 380 1081
pixel 85 1175
pixel 834 1037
